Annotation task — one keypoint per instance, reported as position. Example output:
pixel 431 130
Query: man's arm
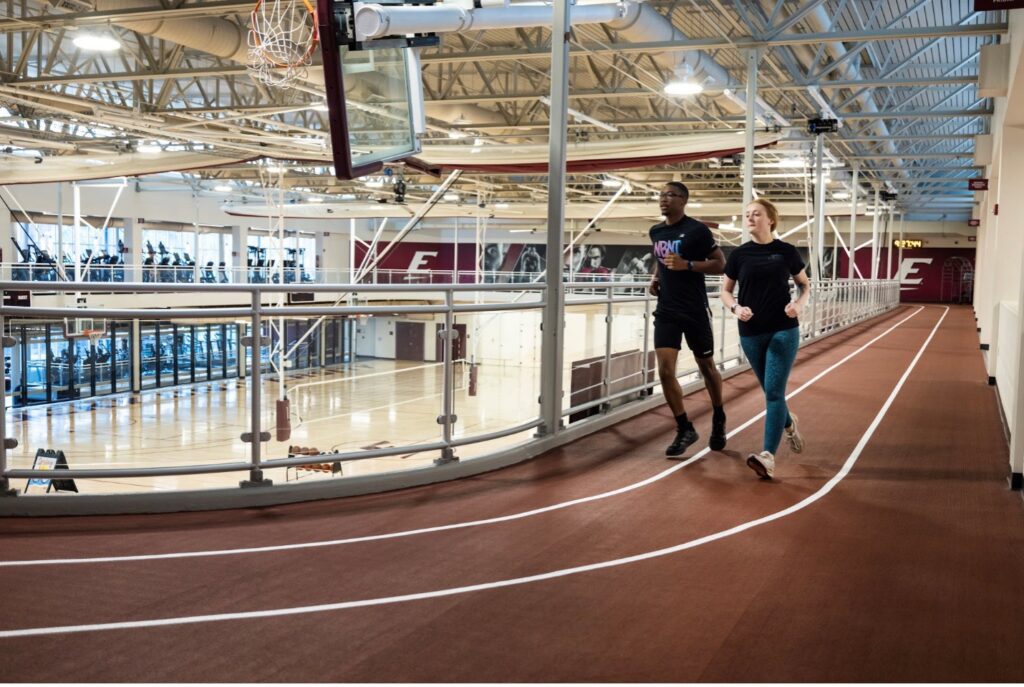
pixel 714 264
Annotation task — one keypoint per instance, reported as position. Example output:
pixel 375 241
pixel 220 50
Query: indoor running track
pixel 890 550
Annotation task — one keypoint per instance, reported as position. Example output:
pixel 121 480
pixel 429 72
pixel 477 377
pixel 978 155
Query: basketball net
pixel 282 39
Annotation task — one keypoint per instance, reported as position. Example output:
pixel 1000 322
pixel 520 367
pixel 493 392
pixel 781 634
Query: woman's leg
pixel 780 354
pixel 755 348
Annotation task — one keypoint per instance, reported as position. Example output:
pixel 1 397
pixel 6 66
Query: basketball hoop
pixel 94 335
pixel 282 39
pixel 84 327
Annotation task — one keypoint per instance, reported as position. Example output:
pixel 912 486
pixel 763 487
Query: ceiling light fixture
pixel 97 42
pixel 680 88
pixel 223 188
pixel 501 206
pixel 684 82
pixel 148 148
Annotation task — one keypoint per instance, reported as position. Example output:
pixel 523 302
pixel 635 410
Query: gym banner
pixel 509 262
pixel 932 275
pixel 411 262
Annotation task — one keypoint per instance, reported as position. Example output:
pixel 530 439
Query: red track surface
pixel 908 570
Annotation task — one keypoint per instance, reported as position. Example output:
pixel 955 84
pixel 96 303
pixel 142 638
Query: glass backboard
pixel 374 96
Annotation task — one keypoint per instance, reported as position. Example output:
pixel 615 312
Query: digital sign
pixel 907 243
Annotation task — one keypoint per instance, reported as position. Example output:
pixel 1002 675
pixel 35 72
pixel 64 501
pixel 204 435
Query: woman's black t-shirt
pixel 763 272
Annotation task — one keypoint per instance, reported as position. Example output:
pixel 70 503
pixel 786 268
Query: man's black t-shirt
pixel 681 293
pixel 763 272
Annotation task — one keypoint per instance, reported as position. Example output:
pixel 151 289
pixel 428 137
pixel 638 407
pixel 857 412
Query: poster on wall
pixel 510 262
pixel 928 275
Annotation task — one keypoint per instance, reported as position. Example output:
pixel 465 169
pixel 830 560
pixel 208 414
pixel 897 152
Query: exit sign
pixel 907 243
pixel 977 184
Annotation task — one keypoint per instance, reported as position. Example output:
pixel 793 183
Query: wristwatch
pixel 732 309
pixel 689 265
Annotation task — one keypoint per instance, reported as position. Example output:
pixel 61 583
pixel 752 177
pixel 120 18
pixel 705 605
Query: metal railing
pixel 215 274
pixel 833 305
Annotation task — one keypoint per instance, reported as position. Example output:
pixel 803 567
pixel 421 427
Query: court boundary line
pixel 515 581
pixel 459 525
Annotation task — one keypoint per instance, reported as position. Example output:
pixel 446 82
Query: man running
pixel 686 251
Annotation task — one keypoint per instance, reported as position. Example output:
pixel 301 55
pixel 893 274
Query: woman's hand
pixel 743 313
pixel 793 309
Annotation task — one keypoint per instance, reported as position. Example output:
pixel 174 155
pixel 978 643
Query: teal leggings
pixel 771 355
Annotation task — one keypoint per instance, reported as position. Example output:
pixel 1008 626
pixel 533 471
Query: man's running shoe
pixel 684 438
pixel 717 440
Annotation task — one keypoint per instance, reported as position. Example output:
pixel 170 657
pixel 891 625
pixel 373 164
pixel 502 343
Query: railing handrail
pixel 828 300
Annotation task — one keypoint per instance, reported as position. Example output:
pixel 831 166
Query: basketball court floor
pixel 371 404
pixel 890 550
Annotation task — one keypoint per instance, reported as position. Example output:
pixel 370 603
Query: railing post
pixel 553 323
pixel 606 380
pixel 256 436
pixel 814 307
pixel 5 443
pixel 447 418
pixel 649 390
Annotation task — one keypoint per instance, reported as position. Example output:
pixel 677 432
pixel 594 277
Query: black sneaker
pixel 717 440
pixel 684 438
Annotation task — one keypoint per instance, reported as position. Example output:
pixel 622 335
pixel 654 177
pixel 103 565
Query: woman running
pixel 768 324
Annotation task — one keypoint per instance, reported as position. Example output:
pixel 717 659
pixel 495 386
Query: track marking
pixel 381 601
pixel 458 525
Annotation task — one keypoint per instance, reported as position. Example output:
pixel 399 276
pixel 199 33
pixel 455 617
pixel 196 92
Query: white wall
pixel 999 288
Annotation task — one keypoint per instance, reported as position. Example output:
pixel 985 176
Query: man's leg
pixel 685 433
pixel 667 358
pixel 712 380
pixel 713 383
pixel 701 340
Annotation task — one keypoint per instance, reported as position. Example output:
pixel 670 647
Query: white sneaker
pixel 796 442
pixel 762 463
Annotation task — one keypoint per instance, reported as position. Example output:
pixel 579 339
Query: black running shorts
pixel 670 330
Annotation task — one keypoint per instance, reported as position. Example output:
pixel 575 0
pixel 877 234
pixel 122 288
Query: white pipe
pixel 853 223
pixel 375 21
pixel 642 23
pixel 874 236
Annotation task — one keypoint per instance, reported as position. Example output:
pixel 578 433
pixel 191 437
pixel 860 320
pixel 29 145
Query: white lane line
pixel 320 608
pixel 453 526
